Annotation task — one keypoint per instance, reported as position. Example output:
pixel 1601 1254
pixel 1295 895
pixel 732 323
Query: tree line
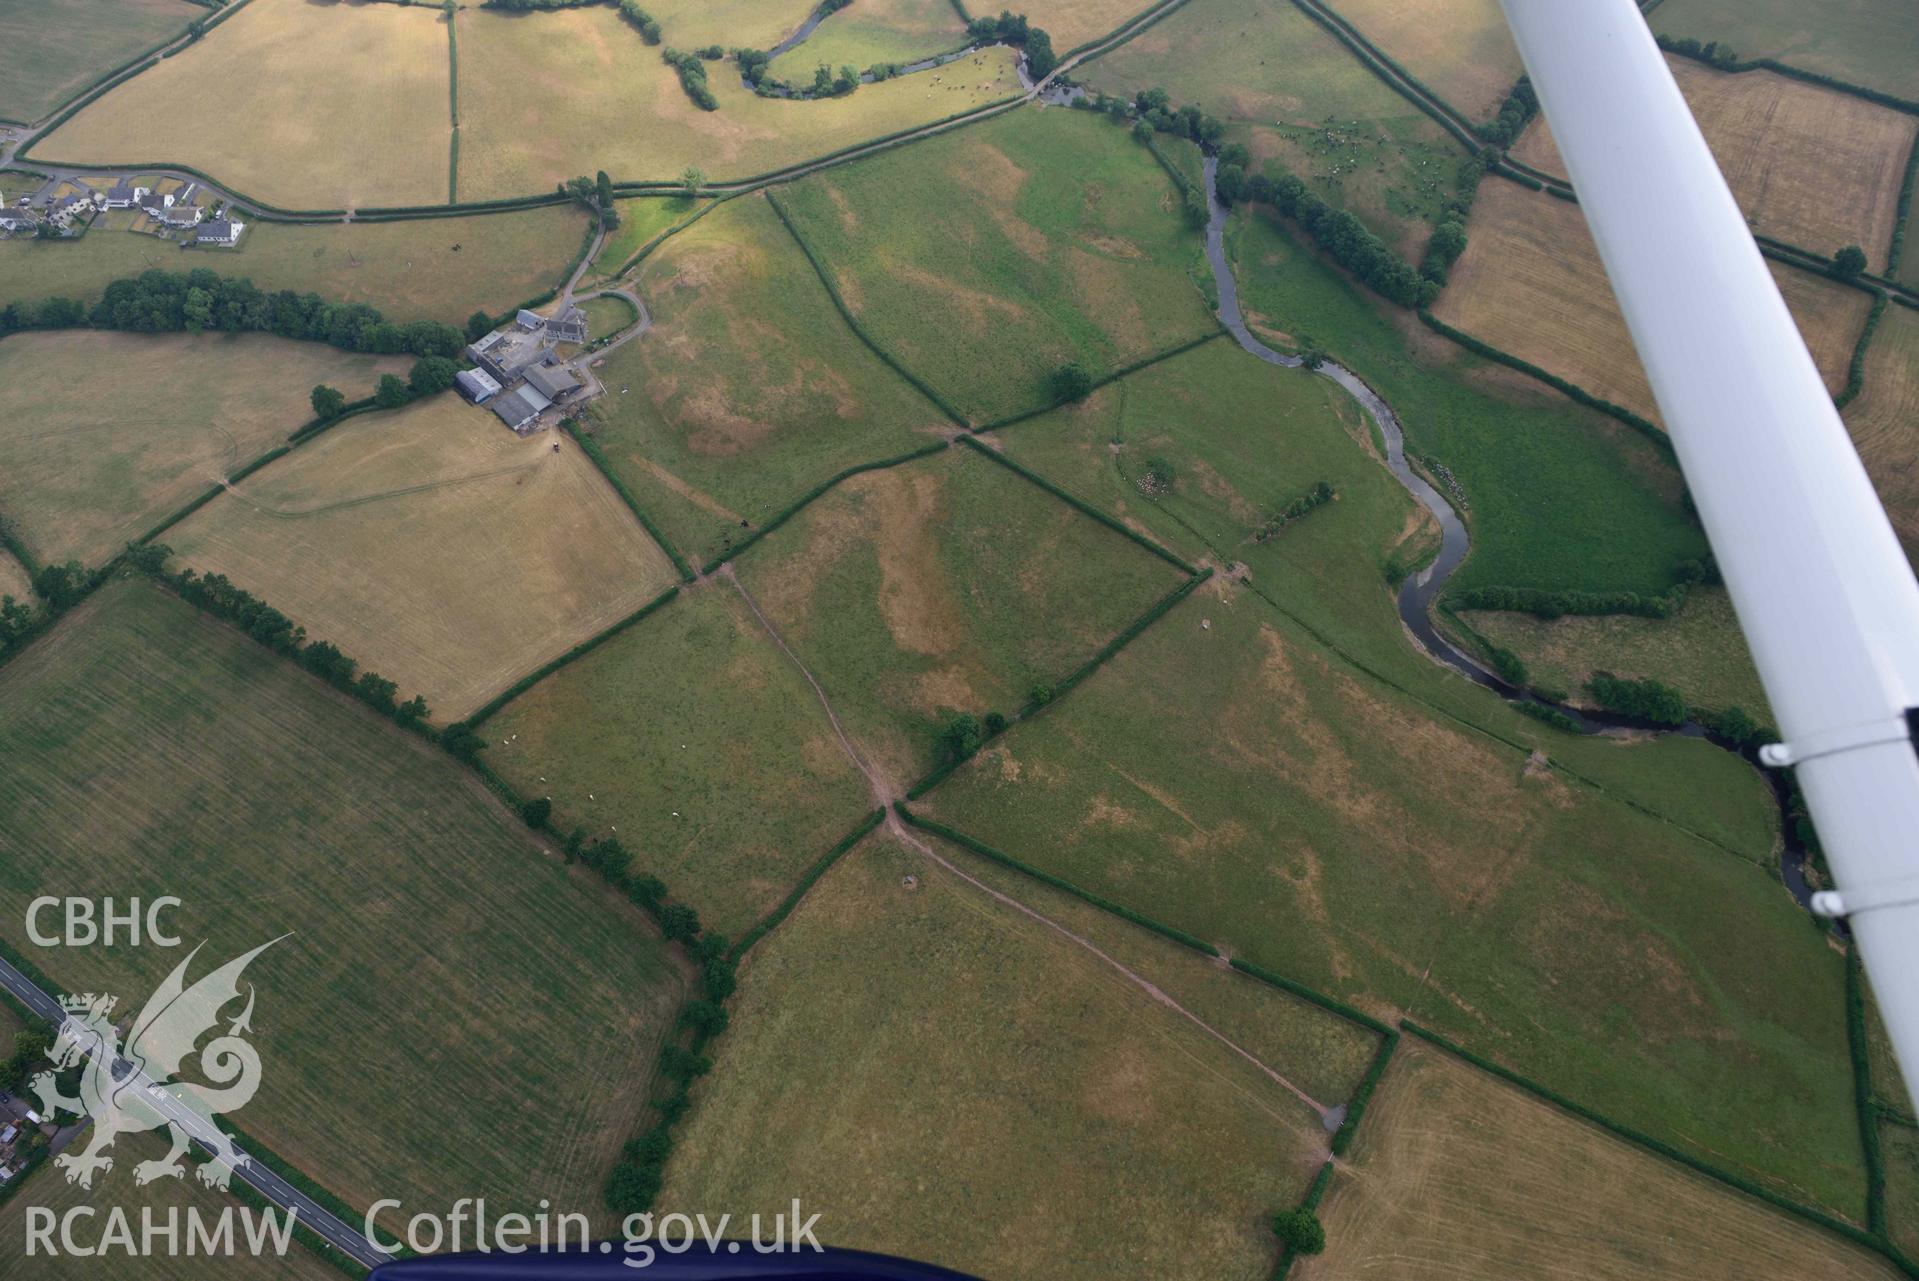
pixel 693 76
pixel 1014 29
pixel 201 300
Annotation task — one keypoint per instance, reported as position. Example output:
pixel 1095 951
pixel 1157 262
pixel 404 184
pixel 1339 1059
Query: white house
pixel 124 195
pixel 219 231
pixel 179 215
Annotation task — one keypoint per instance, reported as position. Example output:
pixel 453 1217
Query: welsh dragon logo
pixel 130 1087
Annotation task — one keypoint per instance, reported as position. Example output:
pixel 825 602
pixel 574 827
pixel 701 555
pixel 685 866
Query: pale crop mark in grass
pixel 884 794
pixel 405 491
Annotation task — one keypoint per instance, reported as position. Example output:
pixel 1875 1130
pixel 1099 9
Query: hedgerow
pixel 1721 57
pixel 1356 1106
pixel 791 509
pixel 1862 1095
pixel 1309 1204
pixel 591 448
pixel 692 78
pixel 1078 503
pixel 1856 369
pixel 1646 700
pixel 580 650
pixel 806 882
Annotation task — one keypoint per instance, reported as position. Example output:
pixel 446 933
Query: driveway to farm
pixel 308 1212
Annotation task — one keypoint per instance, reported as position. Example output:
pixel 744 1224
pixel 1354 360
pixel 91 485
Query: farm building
pixel 17 220
pixel 476 385
pixel 552 380
pixel 530 321
pixel 520 408
pixel 505 354
pixel 568 326
pixel 220 231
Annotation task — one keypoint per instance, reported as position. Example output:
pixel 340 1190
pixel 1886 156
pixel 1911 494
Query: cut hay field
pixel 46 1190
pixel 700 745
pixel 1866 42
pixel 319 105
pixel 1813 167
pixel 162 418
pixel 750 24
pixel 434 546
pixel 1462 50
pixel 1530 282
pixel 421 269
pixel 1884 421
pixel 1227 776
pixel 940 1075
pixel 946 585
pixel 1295 95
pixel 986 259
pixel 50 50
pixel 1699 651
pixel 749 390
pixel 627 113
pixel 875 31
pixel 426 925
pixel 1456 1173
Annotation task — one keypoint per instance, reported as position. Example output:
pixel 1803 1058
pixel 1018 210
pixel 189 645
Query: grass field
pixel 188 760
pixel 47 1189
pixel 985 260
pixel 433 546
pixel 875 31
pixel 1227 777
pixel 941 1075
pixel 1698 651
pixel 627 113
pixel 947 585
pixel 50 51
pixel 320 105
pixel 1884 421
pixel 1072 23
pixel 749 389
pixel 162 417
pixel 1810 166
pixel 751 24
pixel 1457 1173
pixel 641 220
pixel 425 269
pixel 607 315
pixel 697 742
pixel 13 579
pixel 1530 282
pixel 1462 50
pixel 1866 42
pixel 1295 95
pixel 1243 439
pixel 1900 1144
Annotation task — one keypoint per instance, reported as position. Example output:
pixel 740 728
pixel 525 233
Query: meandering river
pixel 1420 590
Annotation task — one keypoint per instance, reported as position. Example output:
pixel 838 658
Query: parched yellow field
pixel 304 104
pixel 435 547
pixel 1530 282
pixel 418 269
pixel 626 112
pixel 1810 166
pixel 1457 1174
pixel 1461 49
pixel 104 434
pixel 1885 421
pixel 1072 23
pixel 937 1073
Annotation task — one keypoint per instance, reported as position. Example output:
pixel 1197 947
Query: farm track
pixel 885 796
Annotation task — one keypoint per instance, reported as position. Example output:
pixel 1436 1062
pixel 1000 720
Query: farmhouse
pixel 568 326
pixel 476 385
pixel 220 231
pixel 520 408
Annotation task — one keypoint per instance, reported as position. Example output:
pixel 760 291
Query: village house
pixel 12 220
pixel 219 231
pixel 123 195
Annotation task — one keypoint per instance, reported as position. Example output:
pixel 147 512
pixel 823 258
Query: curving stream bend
pixel 1420 590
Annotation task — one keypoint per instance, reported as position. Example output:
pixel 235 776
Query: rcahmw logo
pixel 132 1086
